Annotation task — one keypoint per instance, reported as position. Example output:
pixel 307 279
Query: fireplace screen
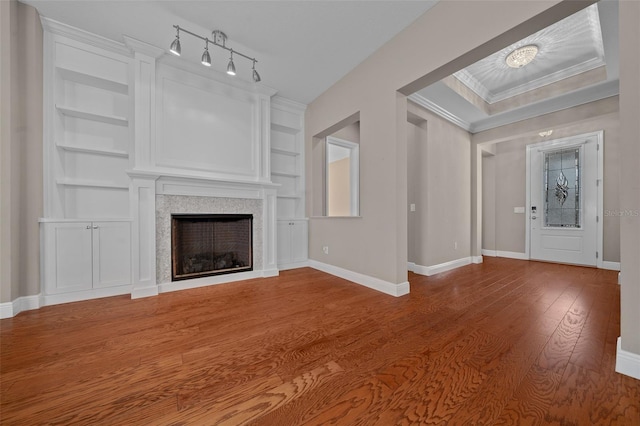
pixel 210 244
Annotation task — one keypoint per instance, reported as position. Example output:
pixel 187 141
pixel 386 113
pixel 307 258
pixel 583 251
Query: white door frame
pixel 600 186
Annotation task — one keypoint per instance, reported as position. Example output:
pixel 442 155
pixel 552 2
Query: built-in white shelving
pixel 88 115
pixel 90 150
pixel 91 80
pixel 88 134
pixel 287 170
pixel 87 224
pixel 284 152
pixel 91 183
pixel 294 175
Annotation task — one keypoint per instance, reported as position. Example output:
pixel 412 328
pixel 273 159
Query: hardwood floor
pixel 506 342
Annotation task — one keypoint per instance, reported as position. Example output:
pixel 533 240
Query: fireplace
pixel 210 244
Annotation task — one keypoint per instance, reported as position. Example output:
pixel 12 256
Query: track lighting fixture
pixel 256 76
pixel 206 58
pixel 219 39
pixel 175 45
pixel 231 68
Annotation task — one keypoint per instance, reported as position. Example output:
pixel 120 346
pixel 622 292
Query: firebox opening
pixel 210 244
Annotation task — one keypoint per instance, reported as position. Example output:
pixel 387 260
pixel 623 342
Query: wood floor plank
pixel 503 342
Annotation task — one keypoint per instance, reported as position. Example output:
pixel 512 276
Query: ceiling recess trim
pixel 438 110
pixel 558 31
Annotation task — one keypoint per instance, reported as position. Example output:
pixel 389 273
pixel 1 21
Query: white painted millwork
pixel 292 242
pixel 581 245
pixel 125 124
pixel 443 267
pixel 83 258
pixel 287 169
pixel 287 156
pixel 86 229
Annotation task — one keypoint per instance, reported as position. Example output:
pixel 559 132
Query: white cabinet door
pixel 299 237
pixel 111 254
pixel 71 257
pixel 292 241
pixel 284 241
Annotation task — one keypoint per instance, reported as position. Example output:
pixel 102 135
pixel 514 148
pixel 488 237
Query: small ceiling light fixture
pixel 175 45
pixel 545 133
pixel 522 56
pixel 231 68
pixel 219 39
pixel 206 58
pixel 256 76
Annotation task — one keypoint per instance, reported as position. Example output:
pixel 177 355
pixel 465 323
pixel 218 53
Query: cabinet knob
pixel 95 226
pixel 88 226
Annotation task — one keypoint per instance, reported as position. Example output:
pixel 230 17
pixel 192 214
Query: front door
pixel 563 193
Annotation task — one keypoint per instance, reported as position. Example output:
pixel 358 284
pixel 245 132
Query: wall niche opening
pixel 210 244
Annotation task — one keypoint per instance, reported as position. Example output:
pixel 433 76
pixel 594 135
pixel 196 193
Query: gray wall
pixel 438 176
pixel 509 177
pixel 21 195
pixel 630 176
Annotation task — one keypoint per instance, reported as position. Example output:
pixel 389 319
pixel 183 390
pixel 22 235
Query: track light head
pixel 256 76
pixel 175 48
pixel 206 58
pixel 231 68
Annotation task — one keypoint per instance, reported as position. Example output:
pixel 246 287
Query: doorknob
pixel 533 217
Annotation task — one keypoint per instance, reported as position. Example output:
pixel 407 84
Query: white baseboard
pixel 207 281
pixel 293 265
pixel 6 310
pixel 619 278
pixel 627 363
pixel 612 266
pixel 490 253
pixel 266 273
pixel 140 292
pixel 365 280
pixel 442 267
pixel 476 259
pixel 24 303
pixel 512 255
pixel 411 266
pixel 79 296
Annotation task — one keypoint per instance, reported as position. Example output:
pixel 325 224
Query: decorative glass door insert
pixel 562 205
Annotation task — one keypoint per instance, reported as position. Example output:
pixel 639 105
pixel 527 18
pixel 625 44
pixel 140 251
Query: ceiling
pixel 303 47
pixel 577 62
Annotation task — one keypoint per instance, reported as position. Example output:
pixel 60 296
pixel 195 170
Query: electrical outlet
pixel 412 207
pixel 455 245
pixel 325 249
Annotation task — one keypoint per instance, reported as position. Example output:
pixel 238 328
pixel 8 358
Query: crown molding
pixel 58 28
pixel 287 104
pixel 438 110
pixel 138 46
pixel 574 70
pixel 579 97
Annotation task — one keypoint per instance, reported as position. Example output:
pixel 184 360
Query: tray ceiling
pixel 577 63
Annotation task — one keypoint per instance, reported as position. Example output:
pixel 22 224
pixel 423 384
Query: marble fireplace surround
pixel 181 195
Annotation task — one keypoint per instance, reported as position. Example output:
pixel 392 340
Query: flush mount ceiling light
pixel 545 133
pixel 219 39
pixel 522 56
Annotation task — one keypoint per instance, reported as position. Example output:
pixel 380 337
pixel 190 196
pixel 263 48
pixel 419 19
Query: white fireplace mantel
pixel 199 191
